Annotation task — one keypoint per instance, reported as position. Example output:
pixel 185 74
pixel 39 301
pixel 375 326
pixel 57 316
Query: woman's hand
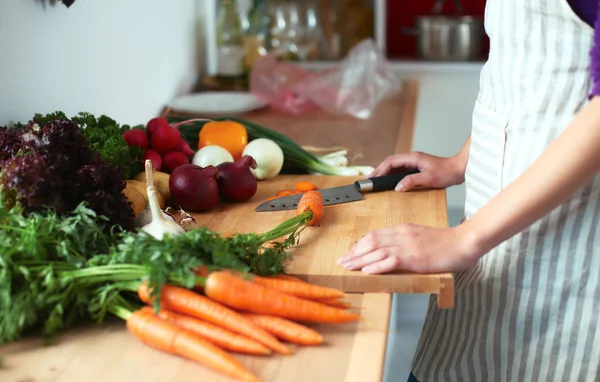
pixel 412 248
pixel 435 172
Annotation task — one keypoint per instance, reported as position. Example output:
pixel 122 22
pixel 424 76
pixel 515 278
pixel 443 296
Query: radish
pixel 154 124
pixel 165 138
pixel 136 137
pixel 155 158
pixel 174 159
pixel 184 148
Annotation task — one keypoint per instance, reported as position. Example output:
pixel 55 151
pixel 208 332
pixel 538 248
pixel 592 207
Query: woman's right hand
pixel 435 172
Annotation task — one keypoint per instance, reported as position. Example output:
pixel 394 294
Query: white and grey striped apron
pixel 530 309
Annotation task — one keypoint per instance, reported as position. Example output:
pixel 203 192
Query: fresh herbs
pixel 34 249
pixel 56 269
pixel 48 163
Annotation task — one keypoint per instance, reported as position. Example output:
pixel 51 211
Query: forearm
pixel 567 164
pixel 460 160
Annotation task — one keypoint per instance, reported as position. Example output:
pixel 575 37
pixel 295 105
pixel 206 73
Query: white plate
pixel 217 102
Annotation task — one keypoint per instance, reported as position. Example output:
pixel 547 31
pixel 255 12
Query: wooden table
pixel 353 352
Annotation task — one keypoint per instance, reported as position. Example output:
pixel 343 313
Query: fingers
pixel 370 258
pixel 412 181
pixel 388 264
pixel 370 242
pixel 396 161
pixel 379 261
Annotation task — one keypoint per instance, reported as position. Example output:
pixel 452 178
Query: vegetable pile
pixel 296 159
pixel 86 232
pixel 232 154
pixel 194 294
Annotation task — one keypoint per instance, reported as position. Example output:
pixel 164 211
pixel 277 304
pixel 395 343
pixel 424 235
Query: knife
pixel 342 194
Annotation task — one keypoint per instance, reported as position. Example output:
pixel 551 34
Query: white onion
pixel 268 156
pixel 211 155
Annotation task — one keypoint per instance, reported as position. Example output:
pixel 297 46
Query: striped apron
pixel 530 309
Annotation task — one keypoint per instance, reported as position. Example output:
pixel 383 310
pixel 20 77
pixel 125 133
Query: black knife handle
pixel 383 183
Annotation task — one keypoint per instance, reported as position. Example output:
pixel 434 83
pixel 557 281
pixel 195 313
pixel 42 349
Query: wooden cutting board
pixel 314 259
pixel 353 352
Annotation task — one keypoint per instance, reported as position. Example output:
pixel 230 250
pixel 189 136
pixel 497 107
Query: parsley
pixel 35 248
pixel 105 136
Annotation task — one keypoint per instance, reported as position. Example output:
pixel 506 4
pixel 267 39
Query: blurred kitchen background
pixel 129 58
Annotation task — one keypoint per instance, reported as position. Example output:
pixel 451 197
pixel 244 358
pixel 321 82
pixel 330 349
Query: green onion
pixel 294 155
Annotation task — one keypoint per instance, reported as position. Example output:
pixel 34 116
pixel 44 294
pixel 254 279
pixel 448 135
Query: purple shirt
pixel 588 11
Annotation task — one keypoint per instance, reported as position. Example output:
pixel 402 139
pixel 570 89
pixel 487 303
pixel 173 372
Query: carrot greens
pixel 58 268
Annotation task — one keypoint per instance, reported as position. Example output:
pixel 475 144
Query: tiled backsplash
pixel 401 14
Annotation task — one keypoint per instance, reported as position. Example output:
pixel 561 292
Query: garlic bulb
pixel 159 226
pixel 145 217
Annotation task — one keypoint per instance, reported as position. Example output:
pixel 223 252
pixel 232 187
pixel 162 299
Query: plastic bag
pixel 354 87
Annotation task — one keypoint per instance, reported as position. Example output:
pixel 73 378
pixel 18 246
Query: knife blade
pixel 342 194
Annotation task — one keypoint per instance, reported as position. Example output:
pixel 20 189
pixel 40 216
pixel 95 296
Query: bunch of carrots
pixel 230 312
pixel 182 304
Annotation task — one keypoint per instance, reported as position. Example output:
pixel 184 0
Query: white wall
pixel 123 58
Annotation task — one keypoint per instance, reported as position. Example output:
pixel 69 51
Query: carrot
pixel 287 277
pixel 286 330
pixel 284 193
pixel 298 289
pixel 305 186
pixel 170 338
pixel 272 197
pixel 215 334
pixel 335 302
pixel 286 284
pixel 332 301
pixel 241 294
pixel 187 302
pixel 311 201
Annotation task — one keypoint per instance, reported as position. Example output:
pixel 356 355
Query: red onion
pixel 236 181
pixel 194 188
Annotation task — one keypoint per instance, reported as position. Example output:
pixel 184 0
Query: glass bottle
pixel 230 45
pixel 257 33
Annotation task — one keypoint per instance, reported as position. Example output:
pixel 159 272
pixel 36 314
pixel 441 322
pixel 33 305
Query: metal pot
pixel 448 38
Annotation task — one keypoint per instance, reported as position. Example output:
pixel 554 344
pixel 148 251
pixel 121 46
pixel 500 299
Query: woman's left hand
pixel 413 248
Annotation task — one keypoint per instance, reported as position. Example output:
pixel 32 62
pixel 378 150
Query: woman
pixel 527 256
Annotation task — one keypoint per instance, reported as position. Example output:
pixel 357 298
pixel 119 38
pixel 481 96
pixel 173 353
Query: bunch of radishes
pixel 162 143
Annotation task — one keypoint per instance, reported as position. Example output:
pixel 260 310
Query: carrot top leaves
pixel 56 269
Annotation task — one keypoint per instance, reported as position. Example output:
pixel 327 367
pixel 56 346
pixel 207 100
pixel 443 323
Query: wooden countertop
pixel 353 352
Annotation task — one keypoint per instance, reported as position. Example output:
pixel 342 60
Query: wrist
pixel 458 166
pixel 472 243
